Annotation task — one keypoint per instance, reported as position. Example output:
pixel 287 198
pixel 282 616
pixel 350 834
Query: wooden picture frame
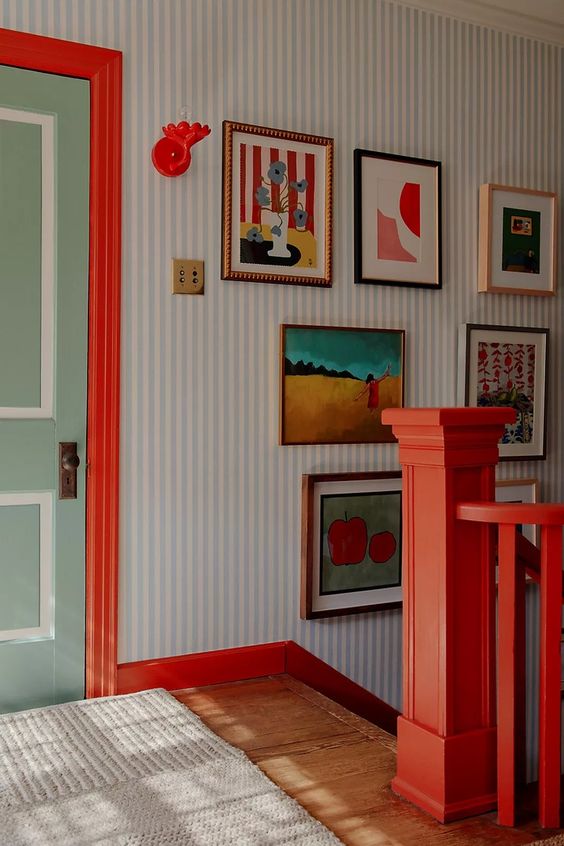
pixel 277 205
pixel 507 367
pixel 336 380
pixel 397 220
pixel 517 241
pixel 351 543
pixel 519 490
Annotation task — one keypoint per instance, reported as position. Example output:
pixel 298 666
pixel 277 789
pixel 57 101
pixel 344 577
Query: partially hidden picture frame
pixel 277 205
pixel 519 491
pixel 335 382
pixel 397 220
pixel 351 543
pixel 507 367
pixel 517 241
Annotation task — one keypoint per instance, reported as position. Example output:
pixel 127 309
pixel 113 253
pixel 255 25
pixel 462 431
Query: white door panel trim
pixel 45 501
pixel 47 124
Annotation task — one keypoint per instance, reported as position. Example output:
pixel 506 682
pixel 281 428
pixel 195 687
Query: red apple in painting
pixel 347 541
pixel 382 547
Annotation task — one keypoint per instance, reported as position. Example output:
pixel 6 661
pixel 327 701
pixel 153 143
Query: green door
pixel 44 172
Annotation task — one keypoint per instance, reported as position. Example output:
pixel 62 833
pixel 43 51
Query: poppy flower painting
pixel 277 204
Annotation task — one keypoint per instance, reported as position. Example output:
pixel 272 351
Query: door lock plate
pixel 68 465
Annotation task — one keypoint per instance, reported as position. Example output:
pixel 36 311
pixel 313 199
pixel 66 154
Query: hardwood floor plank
pixel 305 769
pixel 269 720
pixel 337 765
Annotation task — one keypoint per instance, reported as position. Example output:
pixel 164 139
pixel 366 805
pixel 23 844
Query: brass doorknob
pixel 70 460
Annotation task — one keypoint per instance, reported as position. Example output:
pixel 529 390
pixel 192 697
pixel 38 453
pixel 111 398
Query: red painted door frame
pixel 102 68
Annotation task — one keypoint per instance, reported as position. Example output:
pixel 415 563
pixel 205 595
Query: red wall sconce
pixel 171 155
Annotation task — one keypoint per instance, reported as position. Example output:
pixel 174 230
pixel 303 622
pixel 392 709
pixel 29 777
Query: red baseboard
pixel 203 668
pixel 311 670
pixel 253 662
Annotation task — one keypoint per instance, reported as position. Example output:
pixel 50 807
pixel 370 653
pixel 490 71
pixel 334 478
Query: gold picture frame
pixel 277 206
pixel 517 241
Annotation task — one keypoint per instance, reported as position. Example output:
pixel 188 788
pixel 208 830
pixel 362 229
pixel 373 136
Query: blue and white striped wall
pixel 210 540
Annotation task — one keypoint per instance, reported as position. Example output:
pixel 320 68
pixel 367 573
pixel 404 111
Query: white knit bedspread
pixel 137 769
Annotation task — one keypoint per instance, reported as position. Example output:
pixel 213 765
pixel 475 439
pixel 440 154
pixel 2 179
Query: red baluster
pixel 550 668
pixel 511 602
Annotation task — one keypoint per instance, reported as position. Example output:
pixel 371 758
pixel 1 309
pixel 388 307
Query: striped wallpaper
pixel 210 542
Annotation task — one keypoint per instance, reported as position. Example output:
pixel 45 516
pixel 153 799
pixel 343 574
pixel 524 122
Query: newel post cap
pixel 448 417
pixel 448 436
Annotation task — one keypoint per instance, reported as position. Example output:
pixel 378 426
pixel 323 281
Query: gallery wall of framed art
pixel 211 501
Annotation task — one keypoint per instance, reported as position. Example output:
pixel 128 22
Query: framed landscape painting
pixel 517 253
pixel 335 381
pixel 277 196
pixel 397 213
pixel 351 543
pixel 506 367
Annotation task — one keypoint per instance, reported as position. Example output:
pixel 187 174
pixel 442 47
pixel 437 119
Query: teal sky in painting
pixel 359 352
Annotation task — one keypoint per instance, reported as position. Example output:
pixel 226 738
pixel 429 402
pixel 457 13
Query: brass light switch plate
pixel 187 276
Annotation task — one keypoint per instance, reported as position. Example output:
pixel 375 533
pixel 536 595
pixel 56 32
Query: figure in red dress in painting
pixel 372 388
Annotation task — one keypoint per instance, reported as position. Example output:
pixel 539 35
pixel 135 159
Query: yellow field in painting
pixel 321 409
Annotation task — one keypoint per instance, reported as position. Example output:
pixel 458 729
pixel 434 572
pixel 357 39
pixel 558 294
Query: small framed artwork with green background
pixel 506 367
pixel 517 241
pixel 351 543
pixel 277 204
pixel 335 381
pixel 397 220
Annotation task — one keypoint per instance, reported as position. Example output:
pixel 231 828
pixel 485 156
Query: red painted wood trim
pixel 103 68
pixel 253 662
pixel 310 669
pixel 102 512
pixel 538 513
pixel 550 705
pixel 508 619
pixel 203 668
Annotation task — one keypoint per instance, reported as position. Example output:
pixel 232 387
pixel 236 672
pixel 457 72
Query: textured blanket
pixel 137 769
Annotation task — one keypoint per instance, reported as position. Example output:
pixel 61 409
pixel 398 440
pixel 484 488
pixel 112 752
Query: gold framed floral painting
pixel 277 195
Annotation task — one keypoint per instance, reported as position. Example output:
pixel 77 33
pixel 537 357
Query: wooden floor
pixel 337 765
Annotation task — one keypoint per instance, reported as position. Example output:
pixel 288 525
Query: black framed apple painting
pixel 351 543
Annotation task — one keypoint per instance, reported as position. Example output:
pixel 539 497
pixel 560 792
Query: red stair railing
pixel 447 746
pixel 513 550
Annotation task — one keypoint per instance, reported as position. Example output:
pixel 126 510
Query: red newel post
pixel 447 734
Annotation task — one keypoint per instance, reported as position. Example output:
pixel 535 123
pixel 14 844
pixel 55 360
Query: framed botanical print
pixel 517 246
pixel 506 367
pixel 351 543
pixel 521 491
pixel 335 382
pixel 397 214
pixel 277 196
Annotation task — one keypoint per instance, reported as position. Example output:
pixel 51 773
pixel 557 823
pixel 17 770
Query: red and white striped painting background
pixel 255 162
